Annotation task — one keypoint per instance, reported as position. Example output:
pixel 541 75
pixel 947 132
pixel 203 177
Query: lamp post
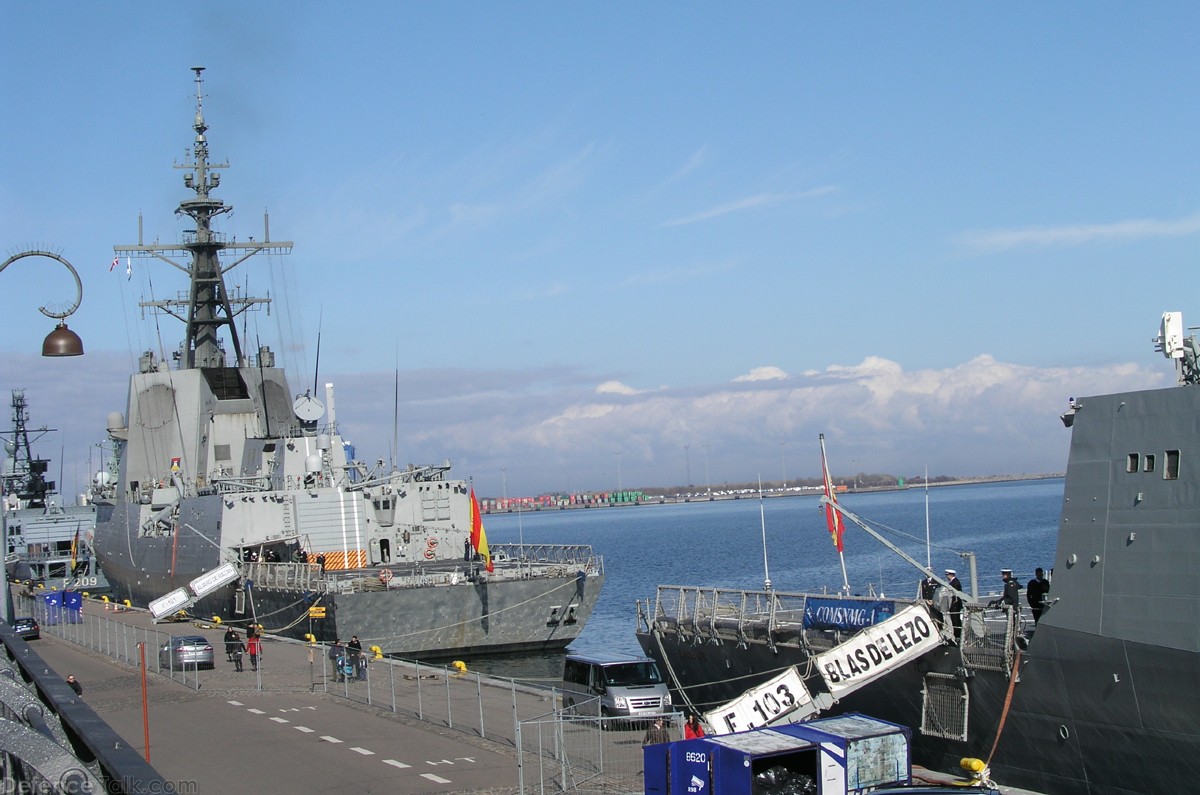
pixel 59 342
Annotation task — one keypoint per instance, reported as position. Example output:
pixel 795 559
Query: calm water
pixel 719 544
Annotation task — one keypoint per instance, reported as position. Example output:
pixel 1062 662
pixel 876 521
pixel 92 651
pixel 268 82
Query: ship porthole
pixel 1063 731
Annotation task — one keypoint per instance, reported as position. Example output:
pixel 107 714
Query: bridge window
pixel 1131 464
pixel 1148 463
pixel 1171 469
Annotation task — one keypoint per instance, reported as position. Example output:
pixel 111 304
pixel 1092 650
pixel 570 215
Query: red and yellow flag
pixel 833 517
pixel 478 536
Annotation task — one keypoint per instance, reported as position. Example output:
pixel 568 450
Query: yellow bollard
pixel 378 652
pixel 217 620
pixel 311 638
pixel 460 668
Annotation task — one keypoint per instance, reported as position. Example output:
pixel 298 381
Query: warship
pixel 48 543
pixel 1100 696
pixel 237 498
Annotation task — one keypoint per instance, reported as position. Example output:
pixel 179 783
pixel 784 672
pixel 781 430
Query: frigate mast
pixel 209 305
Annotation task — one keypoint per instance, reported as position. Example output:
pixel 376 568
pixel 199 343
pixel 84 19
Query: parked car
pixel 27 628
pixel 186 651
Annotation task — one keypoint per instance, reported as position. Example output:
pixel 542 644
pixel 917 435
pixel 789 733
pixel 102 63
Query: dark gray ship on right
pixel 1102 698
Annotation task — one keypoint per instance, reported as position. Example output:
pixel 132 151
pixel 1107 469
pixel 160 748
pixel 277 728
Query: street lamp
pixel 61 341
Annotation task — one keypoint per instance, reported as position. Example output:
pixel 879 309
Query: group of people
pixel 235 648
pixel 658 732
pixel 951 604
pixel 348 661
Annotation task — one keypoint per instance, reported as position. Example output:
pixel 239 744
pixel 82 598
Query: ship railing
pixel 744 616
pixel 240 485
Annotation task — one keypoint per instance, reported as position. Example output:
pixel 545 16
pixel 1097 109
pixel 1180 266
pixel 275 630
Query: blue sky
pixel 626 243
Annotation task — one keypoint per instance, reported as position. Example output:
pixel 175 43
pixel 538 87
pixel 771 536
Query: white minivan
pixel 612 685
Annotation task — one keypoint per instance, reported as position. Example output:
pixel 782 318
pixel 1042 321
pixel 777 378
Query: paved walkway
pixel 279 730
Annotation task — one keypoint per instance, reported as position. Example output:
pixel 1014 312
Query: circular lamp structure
pixel 61 341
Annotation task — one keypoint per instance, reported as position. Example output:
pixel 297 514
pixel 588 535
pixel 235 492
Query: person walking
pixel 239 649
pixel 254 649
pixel 1035 593
pixel 73 683
pixel 693 728
pixel 354 651
pixel 232 641
pixel 336 653
pixel 657 733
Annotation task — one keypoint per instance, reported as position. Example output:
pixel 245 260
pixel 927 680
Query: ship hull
pixel 1089 715
pixel 461 611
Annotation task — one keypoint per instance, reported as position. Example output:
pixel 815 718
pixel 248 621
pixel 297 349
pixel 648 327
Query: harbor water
pixel 719 544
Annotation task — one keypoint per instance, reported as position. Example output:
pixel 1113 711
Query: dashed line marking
pixel 363 751
pixel 329 739
pixel 395 763
pixel 281 720
pixel 304 729
pixel 236 703
pixel 435 779
pixel 254 711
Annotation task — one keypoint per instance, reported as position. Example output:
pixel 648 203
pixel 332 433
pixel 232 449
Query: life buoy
pixel 385 576
pixel 429 553
pixel 431 543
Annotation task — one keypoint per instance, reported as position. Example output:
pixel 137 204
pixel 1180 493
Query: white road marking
pixel 363 751
pixel 394 763
pixel 435 779
pixel 236 703
pixel 281 720
pixel 329 739
pixel 304 729
pixel 256 711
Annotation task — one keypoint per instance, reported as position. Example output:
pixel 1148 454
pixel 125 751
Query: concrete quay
pixel 290 727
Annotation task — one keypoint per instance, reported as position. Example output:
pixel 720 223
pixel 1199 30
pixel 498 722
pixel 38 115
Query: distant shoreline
pixel 802 491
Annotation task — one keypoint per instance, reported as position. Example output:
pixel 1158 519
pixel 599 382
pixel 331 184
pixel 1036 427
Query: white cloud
pixel 762 374
pixel 992 240
pixel 758 200
pixel 552 429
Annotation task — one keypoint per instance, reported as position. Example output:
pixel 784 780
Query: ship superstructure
pixel 221 463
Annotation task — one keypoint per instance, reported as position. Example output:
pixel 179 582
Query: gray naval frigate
pixel 49 542
pixel 238 499
pixel 1102 698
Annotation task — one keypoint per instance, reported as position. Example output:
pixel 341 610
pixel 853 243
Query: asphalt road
pixel 280 742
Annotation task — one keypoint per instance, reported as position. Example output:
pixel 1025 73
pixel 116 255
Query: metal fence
pixel 579 754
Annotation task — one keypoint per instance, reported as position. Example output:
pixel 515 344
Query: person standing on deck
pixel 956 603
pixel 1035 593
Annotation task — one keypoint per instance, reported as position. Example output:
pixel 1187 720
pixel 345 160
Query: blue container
pixel 843 755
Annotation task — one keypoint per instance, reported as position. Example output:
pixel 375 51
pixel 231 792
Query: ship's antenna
pixel 762 515
pixel 317 364
pixel 928 559
pixel 396 410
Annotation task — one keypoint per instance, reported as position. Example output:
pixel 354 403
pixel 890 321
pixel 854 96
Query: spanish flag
pixel 478 536
pixel 833 517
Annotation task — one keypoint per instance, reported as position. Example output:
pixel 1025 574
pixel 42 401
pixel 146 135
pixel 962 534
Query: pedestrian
pixel 657 733
pixel 232 641
pixel 1035 593
pixel 336 653
pixel 354 651
pixel 239 649
pixel 321 563
pixel 254 649
pixel 956 603
pixel 693 728
pixel 74 684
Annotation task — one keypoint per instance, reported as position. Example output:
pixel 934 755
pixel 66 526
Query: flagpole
pixel 762 515
pixel 833 516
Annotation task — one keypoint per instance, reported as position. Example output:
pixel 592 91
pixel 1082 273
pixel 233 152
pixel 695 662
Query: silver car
pixel 185 651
